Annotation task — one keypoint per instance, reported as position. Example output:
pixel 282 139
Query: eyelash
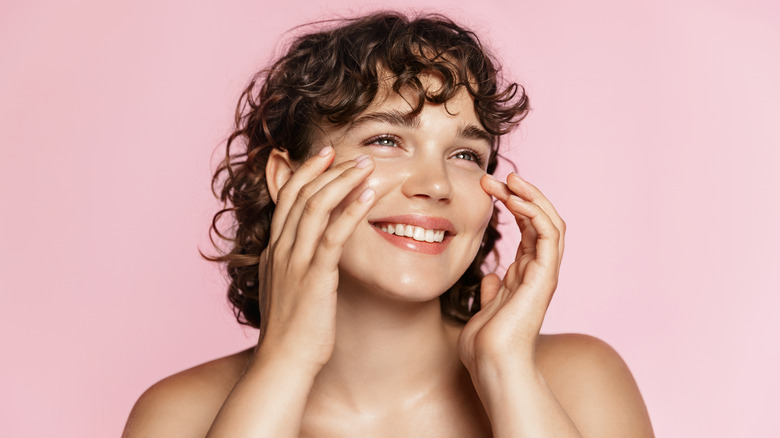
pixel 476 157
pixel 373 140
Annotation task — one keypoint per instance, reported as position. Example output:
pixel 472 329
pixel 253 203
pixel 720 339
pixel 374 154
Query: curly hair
pixel 331 76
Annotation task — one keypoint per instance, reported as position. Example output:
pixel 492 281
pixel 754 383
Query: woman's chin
pixel 410 288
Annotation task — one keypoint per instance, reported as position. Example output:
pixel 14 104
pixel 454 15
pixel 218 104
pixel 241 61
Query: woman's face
pixel 427 182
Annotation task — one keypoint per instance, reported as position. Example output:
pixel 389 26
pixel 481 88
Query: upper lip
pixel 416 220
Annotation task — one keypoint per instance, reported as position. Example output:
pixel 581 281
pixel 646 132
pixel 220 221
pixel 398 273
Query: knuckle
pixel 312 205
pixel 306 192
pixel 328 240
pixel 552 233
pixel 352 211
pixel 284 193
pixel 344 165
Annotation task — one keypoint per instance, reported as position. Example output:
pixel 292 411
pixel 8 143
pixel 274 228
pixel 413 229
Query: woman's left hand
pixel 504 332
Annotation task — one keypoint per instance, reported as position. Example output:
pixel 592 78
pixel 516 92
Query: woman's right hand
pixel 313 219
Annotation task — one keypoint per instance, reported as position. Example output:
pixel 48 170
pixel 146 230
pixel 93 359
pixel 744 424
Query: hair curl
pixel 331 76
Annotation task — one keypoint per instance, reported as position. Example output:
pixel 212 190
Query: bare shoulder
pixel 185 404
pixel 594 385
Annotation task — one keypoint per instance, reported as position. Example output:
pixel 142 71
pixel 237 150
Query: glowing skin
pixel 426 177
pixel 330 349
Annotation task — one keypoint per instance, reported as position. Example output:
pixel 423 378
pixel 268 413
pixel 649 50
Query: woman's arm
pixel 298 278
pixel 268 400
pixel 298 293
pixel 500 344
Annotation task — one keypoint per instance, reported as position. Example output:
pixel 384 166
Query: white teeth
pixel 417 233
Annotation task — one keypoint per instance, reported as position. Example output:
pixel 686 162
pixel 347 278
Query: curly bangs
pixel 331 76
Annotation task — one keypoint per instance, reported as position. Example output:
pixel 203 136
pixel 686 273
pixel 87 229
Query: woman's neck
pixel 400 350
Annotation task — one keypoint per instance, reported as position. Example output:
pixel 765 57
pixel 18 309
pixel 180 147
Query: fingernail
pixel 516 176
pixel 491 177
pixel 363 161
pixel 325 151
pixel 367 195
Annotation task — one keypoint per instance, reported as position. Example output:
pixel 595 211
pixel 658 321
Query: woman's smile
pixel 423 234
pixel 430 214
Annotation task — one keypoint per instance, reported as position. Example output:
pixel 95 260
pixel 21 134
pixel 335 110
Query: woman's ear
pixel 277 171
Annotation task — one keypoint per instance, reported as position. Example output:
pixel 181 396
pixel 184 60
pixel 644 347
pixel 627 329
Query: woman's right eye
pixel 382 140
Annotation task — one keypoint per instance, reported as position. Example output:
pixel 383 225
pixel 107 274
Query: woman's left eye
pixel 469 156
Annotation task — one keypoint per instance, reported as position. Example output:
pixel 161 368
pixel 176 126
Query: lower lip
pixel 409 244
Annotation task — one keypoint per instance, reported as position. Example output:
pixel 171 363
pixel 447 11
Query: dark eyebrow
pixel 473 132
pixel 398 118
pixel 391 117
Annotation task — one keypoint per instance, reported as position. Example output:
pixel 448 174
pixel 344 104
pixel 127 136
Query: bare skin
pixel 586 375
pixel 354 342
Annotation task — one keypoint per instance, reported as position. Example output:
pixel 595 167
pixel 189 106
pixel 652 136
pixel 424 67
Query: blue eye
pixel 466 156
pixel 383 141
pixel 469 155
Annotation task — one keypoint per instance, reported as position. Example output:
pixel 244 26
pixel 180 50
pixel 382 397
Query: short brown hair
pixel 331 76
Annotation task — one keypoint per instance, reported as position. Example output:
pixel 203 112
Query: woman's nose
pixel 429 179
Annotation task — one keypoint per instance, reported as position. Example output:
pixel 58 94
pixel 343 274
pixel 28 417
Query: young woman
pixel 359 180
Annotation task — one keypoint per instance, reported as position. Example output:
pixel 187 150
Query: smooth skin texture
pixel 354 343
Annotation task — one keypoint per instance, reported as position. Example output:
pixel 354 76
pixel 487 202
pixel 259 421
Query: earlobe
pixel 277 171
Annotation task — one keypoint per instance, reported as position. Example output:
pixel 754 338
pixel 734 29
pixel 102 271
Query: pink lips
pixel 407 243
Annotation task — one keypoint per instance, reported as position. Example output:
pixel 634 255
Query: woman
pixel 363 200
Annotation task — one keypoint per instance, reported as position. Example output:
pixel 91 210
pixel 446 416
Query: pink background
pixel 654 130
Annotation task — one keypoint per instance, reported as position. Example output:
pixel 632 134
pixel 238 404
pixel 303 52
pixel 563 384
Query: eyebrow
pixel 474 132
pixel 397 118
pixel 391 117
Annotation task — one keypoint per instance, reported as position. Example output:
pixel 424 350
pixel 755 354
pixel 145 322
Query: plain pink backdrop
pixel 654 131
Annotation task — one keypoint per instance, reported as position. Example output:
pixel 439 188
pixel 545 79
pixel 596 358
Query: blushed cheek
pixel 483 204
pixel 373 181
pixel 383 178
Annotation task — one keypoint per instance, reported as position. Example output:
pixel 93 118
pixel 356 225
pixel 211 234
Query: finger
pixel 318 209
pixel 331 244
pixel 301 188
pixel 528 237
pixel 489 288
pixel 287 195
pixel 547 234
pixel 519 187
pixel 495 187
pixel 529 192
pixel 502 192
pixel 526 251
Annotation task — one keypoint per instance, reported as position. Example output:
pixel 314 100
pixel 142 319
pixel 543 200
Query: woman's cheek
pixel 481 202
pixel 384 176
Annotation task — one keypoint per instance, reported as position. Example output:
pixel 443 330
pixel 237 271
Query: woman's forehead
pixel 398 109
pixel 406 99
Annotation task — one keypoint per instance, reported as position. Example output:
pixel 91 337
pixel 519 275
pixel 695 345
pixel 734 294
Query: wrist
pixel 267 356
pixel 497 379
pixel 505 365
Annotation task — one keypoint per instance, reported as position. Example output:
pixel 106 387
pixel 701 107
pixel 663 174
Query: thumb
pixel 491 284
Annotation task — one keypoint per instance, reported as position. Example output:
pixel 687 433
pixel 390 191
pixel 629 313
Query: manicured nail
pixel 491 177
pixel 363 161
pixel 325 151
pixel 367 195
